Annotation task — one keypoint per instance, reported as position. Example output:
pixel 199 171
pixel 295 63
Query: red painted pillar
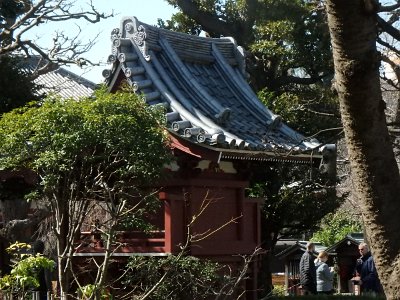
pixel 173 222
pixel 240 212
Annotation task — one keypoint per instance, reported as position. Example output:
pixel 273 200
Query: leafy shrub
pixel 173 277
pixel 25 273
pixel 88 291
pixel 335 226
pixel 278 291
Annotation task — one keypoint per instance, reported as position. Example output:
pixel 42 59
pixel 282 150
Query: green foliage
pixel 285 37
pixel 140 217
pixel 176 277
pixel 327 297
pixel 104 149
pixel 25 271
pixel 230 11
pixel 299 206
pixel 335 226
pixel 278 291
pixel 308 111
pixel 299 35
pixel 89 290
pixel 116 136
pixel 16 86
pixel 295 202
pixel 181 23
pixel 16 248
pixel 266 37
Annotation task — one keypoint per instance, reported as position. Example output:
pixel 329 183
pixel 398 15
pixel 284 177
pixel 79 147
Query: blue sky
pixel 147 11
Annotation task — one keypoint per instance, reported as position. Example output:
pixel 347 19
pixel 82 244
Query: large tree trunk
pixel 353 30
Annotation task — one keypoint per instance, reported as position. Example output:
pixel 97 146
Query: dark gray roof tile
pixel 203 82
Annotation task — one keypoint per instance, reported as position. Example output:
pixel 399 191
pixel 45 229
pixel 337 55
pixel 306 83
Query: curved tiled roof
pixel 201 82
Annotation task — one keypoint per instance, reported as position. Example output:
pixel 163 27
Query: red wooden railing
pixel 124 242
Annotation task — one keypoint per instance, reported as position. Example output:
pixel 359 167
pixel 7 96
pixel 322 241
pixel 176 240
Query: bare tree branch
pixel 393 65
pixel 387 45
pixel 386 27
pixel 389 7
pixel 66 49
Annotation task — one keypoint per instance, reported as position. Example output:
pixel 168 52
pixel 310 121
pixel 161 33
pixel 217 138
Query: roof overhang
pixel 195 150
pixel 215 153
pixel 348 241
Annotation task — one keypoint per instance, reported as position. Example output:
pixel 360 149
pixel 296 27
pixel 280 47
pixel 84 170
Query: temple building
pixel 218 130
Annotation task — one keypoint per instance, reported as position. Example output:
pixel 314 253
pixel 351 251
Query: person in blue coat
pixel 324 274
pixel 365 268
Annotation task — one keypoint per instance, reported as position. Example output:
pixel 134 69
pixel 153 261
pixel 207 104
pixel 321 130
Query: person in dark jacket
pixel 365 268
pixel 308 277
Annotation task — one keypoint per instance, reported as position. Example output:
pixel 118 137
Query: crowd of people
pixel 316 277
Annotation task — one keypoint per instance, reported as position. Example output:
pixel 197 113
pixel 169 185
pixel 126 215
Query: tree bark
pixel 62 229
pixel 353 29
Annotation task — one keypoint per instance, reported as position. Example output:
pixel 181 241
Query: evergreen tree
pixel 16 86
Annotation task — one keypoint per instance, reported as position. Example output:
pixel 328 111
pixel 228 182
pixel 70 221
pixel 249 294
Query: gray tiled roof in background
pixel 60 81
pixel 300 246
pixel 202 83
pixel 351 239
pixel 65 84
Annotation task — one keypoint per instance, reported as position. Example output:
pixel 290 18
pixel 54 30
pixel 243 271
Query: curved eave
pixel 204 151
pixel 268 156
